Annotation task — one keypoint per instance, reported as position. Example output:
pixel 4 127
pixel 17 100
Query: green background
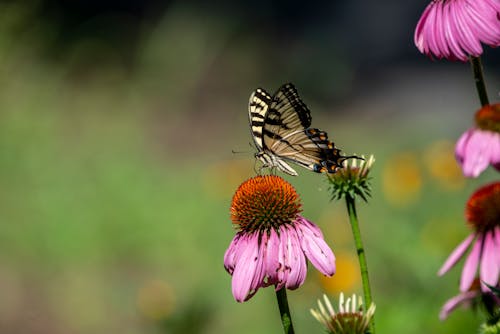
pixel 116 179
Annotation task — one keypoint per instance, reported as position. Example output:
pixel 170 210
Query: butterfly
pixel 280 128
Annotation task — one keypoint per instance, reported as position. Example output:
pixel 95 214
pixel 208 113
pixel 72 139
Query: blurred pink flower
pixel 465 299
pixel 479 147
pixel 455 29
pixel 469 299
pixel 274 240
pixel 483 215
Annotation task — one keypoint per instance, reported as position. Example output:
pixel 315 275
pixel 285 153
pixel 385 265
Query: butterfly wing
pixel 280 129
pixel 311 149
pixel 258 109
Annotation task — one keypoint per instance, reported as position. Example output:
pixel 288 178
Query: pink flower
pixel 483 215
pixel 455 29
pixel 469 299
pixel 274 241
pixel 479 147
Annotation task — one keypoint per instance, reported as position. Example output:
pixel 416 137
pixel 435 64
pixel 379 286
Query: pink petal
pixel 260 269
pixel 295 260
pixel 467 40
pixel 497 235
pixel 315 248
pixel 460 146
pixel 284 269
pixel 462 299
pixel 247 270
pixel 272 263
pixel 455 255
pixel 486 27
pixel 421 25
pixel 448 30
pixel 471 264
pixel 497 243
pixel 473 151
pixel 230 255
pixel 489 268
pixel 495 148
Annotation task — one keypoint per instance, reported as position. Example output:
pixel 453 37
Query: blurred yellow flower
pixel 439 158
pixel 402 179
pixel 347 278
pixel 155 300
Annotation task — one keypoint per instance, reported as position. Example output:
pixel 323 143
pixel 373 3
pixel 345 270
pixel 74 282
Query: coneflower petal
pixel 471 264
pixel 490 266
pixel 316 249
pixel 456 255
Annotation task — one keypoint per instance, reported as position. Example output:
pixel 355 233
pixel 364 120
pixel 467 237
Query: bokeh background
pixel 118 122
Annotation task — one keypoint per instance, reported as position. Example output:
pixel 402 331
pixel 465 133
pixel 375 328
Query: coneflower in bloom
pixel 483 216
pixel 350 318
pixel 273 240
pixel 479 147
pixel 455 29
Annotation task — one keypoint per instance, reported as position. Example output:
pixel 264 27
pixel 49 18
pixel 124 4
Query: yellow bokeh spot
pixel 440 161
pixel 402 179
pixel 346 278
pixel 155 300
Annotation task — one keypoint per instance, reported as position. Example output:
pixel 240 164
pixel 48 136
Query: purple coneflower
pixel 455 29
pixel 483 215
pixel 479 147
pixel 470 299
pixel 273 240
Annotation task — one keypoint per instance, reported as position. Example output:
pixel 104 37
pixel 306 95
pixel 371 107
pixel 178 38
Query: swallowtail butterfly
pixel 280 127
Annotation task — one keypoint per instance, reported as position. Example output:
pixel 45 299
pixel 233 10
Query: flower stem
pixel 351 209
pixel 286 318
pixel 477 70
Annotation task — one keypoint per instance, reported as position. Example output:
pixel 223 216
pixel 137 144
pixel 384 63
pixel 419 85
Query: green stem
pixel 286 318
pixel 477 70
pixel 351 209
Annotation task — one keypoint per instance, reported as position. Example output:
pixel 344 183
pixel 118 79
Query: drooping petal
pixel 494 151
pixel 283 269
pixel 489 268
pixel 455 255
pixel 461 144
pixel 246 269
pixel 463 299
pixel 260 269
pixel 473 151
pixel 296 260
pixel 455 29
pixel 471 264
pixel 272 263
pixel 315 248
pixel 497 236
pixel 230 254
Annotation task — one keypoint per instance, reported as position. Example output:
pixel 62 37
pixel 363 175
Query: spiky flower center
pixel 488 117
pixel 352 180
pixel 348 322
pixel 264 202
pixel 483 208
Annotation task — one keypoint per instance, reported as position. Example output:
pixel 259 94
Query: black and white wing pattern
pixel 280 127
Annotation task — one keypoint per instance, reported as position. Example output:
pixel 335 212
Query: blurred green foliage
pixel 115 187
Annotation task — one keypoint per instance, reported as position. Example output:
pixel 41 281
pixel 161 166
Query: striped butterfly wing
pixel 280 129
pixel 311 149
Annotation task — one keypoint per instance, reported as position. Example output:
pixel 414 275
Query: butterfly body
pixel 280 127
